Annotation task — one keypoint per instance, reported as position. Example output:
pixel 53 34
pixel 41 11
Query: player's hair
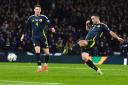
pixel 95 15
pixel 37 6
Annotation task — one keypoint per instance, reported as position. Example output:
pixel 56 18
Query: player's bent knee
pixel 85 56
pixel 83 43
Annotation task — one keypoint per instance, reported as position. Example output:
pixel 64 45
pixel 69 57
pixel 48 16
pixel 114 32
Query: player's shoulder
pixel 44 16
pixel 103 24
pixel 31 17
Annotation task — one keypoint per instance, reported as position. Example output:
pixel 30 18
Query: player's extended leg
pixel 81 43
pixel 77 47
pixel 87 59
pixel 46 59
pixel 38 58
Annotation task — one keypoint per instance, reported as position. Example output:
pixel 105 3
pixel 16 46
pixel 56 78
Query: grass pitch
pixel 62 74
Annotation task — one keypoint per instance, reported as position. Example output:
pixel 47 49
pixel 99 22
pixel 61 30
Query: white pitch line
pixel 56 67
pixel 27 83
pixel 81 68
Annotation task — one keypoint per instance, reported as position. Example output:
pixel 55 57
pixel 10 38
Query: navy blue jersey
pixel 96 31
pixel 36 25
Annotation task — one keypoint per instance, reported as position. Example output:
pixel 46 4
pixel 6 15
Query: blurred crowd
pixel 68 17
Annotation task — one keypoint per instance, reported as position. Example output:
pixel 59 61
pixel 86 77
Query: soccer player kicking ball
pixel 36 25
pixel 96 30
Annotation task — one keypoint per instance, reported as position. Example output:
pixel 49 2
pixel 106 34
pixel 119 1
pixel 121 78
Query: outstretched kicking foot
pixel 99 72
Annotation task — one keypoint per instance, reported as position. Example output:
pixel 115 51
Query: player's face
pixel 37 10
pixel 94 19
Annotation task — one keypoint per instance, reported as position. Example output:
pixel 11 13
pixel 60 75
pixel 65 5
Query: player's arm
pixel 49 25
pixel 87 25
pixel 113 34
pixel 25 30
pixel 53 29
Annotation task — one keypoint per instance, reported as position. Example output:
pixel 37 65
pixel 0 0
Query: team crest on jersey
pixel 32 20
pixel 40 20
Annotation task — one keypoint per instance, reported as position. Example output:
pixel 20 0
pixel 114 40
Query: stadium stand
pixel 67 16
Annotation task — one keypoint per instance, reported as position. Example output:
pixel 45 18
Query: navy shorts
pixel 40 41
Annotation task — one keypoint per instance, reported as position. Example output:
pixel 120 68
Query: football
pixel 11 57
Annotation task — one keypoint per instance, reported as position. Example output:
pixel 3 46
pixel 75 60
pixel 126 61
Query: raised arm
pixel 87 25
pixel 116 36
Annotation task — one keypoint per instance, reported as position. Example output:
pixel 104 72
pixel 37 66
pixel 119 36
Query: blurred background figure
pixel 124 49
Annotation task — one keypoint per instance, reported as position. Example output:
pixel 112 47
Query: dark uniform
pixel 124 49
pixel 95 33
pixel 36 27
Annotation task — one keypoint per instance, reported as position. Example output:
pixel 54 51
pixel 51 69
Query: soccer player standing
pixel 124 49
pixel 36 25
pixel 96 31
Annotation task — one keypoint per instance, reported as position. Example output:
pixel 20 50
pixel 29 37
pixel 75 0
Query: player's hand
pixel 53 30
pixel 22 37
pixel 88 21
pixel 120 40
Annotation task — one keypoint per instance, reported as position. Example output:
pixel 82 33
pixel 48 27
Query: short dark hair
pixel 95 15
pixel 37 6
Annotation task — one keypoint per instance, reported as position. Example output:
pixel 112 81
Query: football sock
pixel 38 59
pixel 40 67
pixel 90 64
pixel 46 58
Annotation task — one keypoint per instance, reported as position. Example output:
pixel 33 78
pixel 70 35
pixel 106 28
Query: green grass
pixel 62 74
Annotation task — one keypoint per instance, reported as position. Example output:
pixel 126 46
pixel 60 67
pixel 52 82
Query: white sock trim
pixel 45 64
pixel 39 67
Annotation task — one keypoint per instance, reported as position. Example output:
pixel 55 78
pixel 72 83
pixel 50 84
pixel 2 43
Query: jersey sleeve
pixel 47 21
pixel 106 28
